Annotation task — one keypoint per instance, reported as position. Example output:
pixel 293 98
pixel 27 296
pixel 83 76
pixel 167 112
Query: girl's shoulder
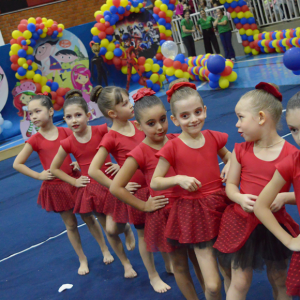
pixel 289 148
pixel 100 129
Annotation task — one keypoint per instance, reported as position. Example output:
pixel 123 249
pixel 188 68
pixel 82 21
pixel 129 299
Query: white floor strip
pixel 260 58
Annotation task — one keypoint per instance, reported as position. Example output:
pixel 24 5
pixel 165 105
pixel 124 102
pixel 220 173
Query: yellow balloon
pixel 32 20
pixel 255 37
pixel 111 47
pixel 223 82
pixel 43 80
pixel 27 34
pixel 168 32
pixel 186 75
pixel 109 3
pixel 179 73
pixel 147 67
pixel 162 78
pixel 95 31
pixel 254 52
pixel 45 30
pixel 136 10
pixel 222 1
pixel 162 29
pixel 29 50
pixel 21 61
pixel 229 63
pixel 104 43
pixel 240 15
pixel 229 1
pixel 19 77
pixel 124 3
pixel 263 43
pixel 104 7
pixel 158 3
pixel 169 13
pixel 256 31
pixel 293 42
pixel 49 23
pixel 140 5
pixel 164 7
pixel 10 53
pixel 43 35
pixel 37 78
pixel 62 26
pixel 16 33
pixel 46 88
pixel 159 50
pixel 249 32
pixel 109 55
pixel 25 66
pixel 154 78
pixel 284 42
pixel 242 31
pixel 155 68
pixel 98 12
pixel 44 20
pixel 124 69
pixel 34 66
pixel 232 77
pixel 15 48
pixel 248 15
pixel 233 15
pixel 149 61
pixel 30 74
pixel 170 71
pixel 247 50
pixel 132 9
pixel 267 36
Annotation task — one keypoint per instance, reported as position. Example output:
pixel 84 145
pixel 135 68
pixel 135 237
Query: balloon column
pixel 244 21
pixel 279 41
pixel 21 55
pixel 213 68
pixel 291 60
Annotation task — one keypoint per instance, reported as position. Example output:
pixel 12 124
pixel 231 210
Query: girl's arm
pixel 263 212
pixel 118 189
pixel 19 165
pixel 225 156
pixel 187 30
pixel 55 170
pixel 223 22
pixel 160 182
pixel 283 199
pixel 232 186
pixel 216 23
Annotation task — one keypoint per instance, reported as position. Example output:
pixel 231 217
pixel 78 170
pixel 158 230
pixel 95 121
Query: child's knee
pixel 277 277
pixel 213 287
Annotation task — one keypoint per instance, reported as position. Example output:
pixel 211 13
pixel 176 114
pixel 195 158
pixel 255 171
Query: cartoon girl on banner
pixel 80 77
pixel 22 94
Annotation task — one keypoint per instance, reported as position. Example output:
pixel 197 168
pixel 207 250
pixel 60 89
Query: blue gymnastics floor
pixel 38 272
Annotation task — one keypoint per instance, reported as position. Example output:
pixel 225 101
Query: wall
pixel 70 13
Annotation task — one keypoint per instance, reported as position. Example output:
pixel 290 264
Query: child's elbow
pixel 113 190
pixel 91 173
pixel 153 185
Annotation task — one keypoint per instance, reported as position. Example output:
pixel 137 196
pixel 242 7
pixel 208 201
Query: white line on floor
pixel 249 60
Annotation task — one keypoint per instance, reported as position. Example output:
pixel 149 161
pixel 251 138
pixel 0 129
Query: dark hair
pixel 144 103
pixel 107 97
pixel 73 93
pixel 186 11
pixel 76 101
pixel 44 100
pixel 222 10
pixel 294 103
pixel 66 52
pixel 48 42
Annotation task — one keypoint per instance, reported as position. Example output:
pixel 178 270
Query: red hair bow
pixel 269 88
pixel 43 94
pixel 142 93
pixel 177 86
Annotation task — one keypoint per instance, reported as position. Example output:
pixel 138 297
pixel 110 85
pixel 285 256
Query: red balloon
pixel 162 14
pixel 12 41
pixel 118 67
pixel 172 1
pixel 288 42
pixel 162 36
pixel 141 81
pixel 267 43
pixel 169 38
pixel 141 60
pixel 38 88
pixel 14 58
pixel 60 100
pixel 53 95
pixel 121 17
pixel 252 45
pixel 20 39
pixel 107 24
pixel 22 27
pixel 177 65
pixel 253 26
pixel 159 56
pixel 54 27
pixel 127 13
pixel 98 18
pixel 142 69
pixel 260 36
pixel 124 62
pixel 246 26
pixel 237 9
pixel 238 25
pixel 116 61
pixel 245 8
pixel 281 35
pixel 227 71
pixel 15 67
pixel 245 44
pixel 109 30
pixel 168 62
pixel 37 27
pixel 24 21
pixel 25 48
pixel 206 73
pixel 59 29
pixel 116 3
pixel 168 19
pixel 230 9
pixel 55 23
pixel 117 45
pixel 156 10
pixel 29 62
pixel 39 20
pixel 50 31
pixel 184 67
pixel 57 106
pixel 42 26
pixel 60 92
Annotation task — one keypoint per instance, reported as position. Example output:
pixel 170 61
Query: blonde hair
pixel 294 103
pixel 182 93
pixel 261 100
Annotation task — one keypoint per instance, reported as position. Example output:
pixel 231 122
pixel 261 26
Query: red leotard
pixel 55 195
pixel 155 221
pixel 237 225
pixel 195 216
pixel 93 197
pixel 289 169
pixel 118 145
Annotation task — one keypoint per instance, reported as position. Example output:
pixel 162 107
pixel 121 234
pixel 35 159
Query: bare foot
pixel 158 285
pixel 83 268
pixel 129 238
pixel 129 271
pixel 107 257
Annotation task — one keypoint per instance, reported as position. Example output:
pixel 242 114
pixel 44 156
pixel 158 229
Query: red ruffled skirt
pixel 293 278
pixel 117 209
pixel 137 217
pixel 237 225
pixel 91 198
pixel 57 196
pixel 155 227
pixel 196 220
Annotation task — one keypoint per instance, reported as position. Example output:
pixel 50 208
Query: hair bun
pixel 72 93
pixel 269 88
pixel 96 93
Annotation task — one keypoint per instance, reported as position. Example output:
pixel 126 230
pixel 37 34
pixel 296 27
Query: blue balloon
pixel 161 42
pixel 149 83
pixel 259 43
pixel 160 71
pixel 216 64
pixel 295 34
pixel 135 77
pixel 197 78
pixel 106 13
pixel 236 20
pixel 180 57
pixel 117 43
pixel 103 50
pixel 31 27
pixel 96 39
pixel 166 1
pixel 22 53
pixel 250 38
pixel 168 26
pixel 32 42
pixel 242 3
pixel 49 83
pixel 118 52
pixel 107 18
pixel 234 4
pixel 154 60
pixel 121 10
pixel 38 72
pixel 40 31
pixel 162 21
pixel 251 20
pixel 24 43
pixel 280 44
pixel 214 77
pixel 148 74
pixel 6 124
pixel 291 59
pixel 35 36
pixel 244 21
pixel 156 87
pixel 156 17
pixel 213 84
pixel 295 72
pixel 244 37
pixel 263 36
pixel 160 63
pixel 113 10
pixel 171 7
pixel 54 86
pixel 109 37
pixel 172 78
pixel 134 3
pixel 30 57
pixel 21 71
pixel 128 7
pixel 274 35
pixel 226 5
pixel 29 68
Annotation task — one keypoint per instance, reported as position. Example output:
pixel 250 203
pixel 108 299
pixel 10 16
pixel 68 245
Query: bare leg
pixel 73 234
pixel 168 263
pixel 240 284
pixel 209 268
pixel 226 273
pixel 129 238
pixel 158 285
pixel 113 230
pixel 193 258
pixel 182 273
pixel 95 230
pixel 277 279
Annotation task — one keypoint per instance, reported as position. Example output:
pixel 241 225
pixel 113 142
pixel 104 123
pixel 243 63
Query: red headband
pixel 177 86
pixel 43 94
pixel 269 88
pixel 142 93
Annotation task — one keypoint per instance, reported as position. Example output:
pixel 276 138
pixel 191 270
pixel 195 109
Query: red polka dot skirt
pixel 91 198
pixel 57 196
pixel 293 278
pixel 193 221
pixel 117 209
